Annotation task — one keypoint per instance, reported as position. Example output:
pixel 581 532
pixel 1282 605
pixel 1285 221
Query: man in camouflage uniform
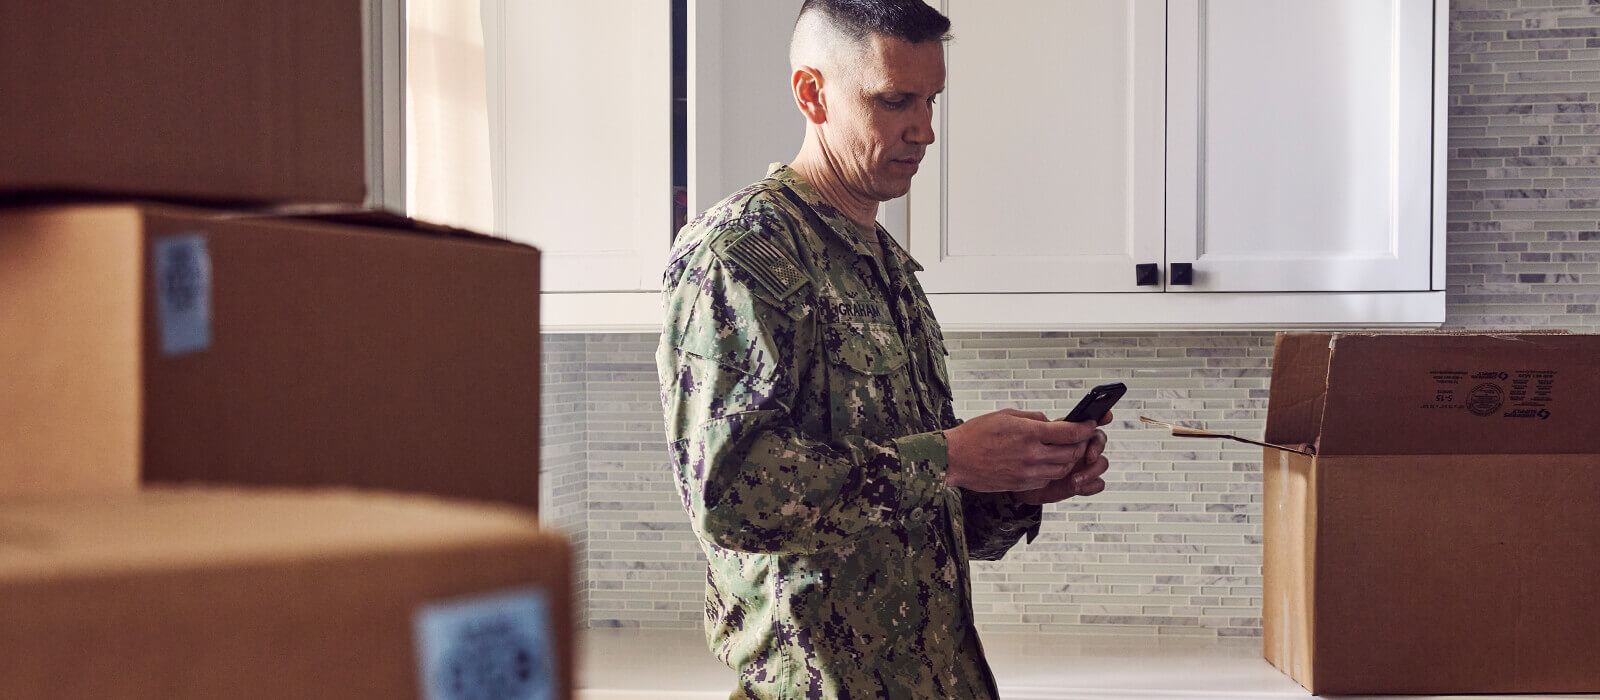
pixel 809 409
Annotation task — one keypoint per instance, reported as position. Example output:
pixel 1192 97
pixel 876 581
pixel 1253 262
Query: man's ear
pixel 807 83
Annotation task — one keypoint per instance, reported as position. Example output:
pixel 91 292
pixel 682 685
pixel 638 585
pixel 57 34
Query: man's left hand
pixel 1083 481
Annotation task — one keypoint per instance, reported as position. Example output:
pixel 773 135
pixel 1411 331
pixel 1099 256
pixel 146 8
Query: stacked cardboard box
pixel 161 320
pixel 153 342
pixel 204 594
pixel 1432 513
pixel 156 343
pixel 238 101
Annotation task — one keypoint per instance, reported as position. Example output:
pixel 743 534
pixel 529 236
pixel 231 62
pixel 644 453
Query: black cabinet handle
pixel 1147 274
pixel 1182 273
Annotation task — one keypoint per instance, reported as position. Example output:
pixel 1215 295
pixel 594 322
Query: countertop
pixel 675 665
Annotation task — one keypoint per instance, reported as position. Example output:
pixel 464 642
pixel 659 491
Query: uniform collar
pixel 900 254
pixel 842 227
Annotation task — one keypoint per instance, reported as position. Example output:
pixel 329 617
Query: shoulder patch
pixel 771 266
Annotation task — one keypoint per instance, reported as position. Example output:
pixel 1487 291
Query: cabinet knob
pixel 1147 274
pixel 1182 273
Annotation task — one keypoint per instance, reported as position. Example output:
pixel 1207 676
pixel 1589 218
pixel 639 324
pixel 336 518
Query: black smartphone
pixel 1095 404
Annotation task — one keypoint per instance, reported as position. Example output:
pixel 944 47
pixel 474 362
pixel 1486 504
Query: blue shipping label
pixel 493 647
pixel 183 293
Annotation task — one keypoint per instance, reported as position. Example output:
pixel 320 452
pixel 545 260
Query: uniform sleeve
pixel 991 522
pixel 994 522
pixel 730 368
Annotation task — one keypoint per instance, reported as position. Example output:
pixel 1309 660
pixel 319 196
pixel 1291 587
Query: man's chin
pixel 894 188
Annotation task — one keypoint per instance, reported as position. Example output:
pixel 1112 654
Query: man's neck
pixel 817 168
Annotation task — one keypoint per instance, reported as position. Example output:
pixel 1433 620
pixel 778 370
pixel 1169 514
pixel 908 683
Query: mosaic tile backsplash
pixel 1173 546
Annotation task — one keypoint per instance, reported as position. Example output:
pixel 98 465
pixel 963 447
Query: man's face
pixel 880 115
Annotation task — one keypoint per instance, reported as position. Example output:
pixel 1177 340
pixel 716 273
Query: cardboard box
pixel 244 100
pixel 1438 534
pixel 165 344
pixel 191 595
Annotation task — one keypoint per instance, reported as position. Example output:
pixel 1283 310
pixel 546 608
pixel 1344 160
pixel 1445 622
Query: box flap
pixel 346 214
pixel 1299 388
pixel 1526 393
pixel 1188 432
pixel 375 218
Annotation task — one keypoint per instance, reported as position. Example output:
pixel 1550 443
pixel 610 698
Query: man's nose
pixel 920 132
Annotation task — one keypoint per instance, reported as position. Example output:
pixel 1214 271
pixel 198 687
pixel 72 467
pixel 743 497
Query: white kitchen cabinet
pixel 580 102
pixel 1299 145
pixel 742 114
pixel 580 96
pixel 1047 172
pixel 1291 154
pixel 1291 150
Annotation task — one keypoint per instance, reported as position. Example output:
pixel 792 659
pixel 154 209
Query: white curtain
pixel 447 115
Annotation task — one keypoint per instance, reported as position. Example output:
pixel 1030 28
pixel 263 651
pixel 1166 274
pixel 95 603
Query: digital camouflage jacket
pixel 804 384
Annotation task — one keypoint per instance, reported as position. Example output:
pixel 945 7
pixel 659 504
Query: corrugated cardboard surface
pixel 1458 573
pixel 191 595
pixel 1468 394
pixel 245 100
pixel 1288 562
pixel 338 355
pixel 1432 393
pixel 1298 392
pixel 1418 572
pixel 69 349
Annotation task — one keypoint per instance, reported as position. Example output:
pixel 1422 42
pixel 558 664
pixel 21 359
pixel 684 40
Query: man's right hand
pixel 1011 450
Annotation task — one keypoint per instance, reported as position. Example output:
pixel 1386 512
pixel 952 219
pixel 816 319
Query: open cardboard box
pixel 1432 513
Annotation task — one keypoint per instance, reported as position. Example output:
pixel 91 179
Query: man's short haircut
pixel 911 21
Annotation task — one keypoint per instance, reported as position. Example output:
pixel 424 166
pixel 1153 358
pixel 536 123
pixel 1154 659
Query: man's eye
pixel 894 104
pixel 933 100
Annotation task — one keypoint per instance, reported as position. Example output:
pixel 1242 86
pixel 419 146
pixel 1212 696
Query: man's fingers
pixel 1060 491
pixel 1042 475
pixel 1059 455
pixel 1091 472
pixel 1096 446
pixel 1093 487
pixel 1030 415
pixel 1063 433
pixel 1047 493
pixel 1105 418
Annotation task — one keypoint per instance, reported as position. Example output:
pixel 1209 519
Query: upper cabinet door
pixel 742 114
pixel 1299 140
pixel 1047 172
pixel 581 112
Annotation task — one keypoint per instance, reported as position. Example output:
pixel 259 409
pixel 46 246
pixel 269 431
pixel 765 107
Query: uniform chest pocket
pixel 866 348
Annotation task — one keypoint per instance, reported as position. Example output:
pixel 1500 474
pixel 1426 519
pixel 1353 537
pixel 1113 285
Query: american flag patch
pixel 767 263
